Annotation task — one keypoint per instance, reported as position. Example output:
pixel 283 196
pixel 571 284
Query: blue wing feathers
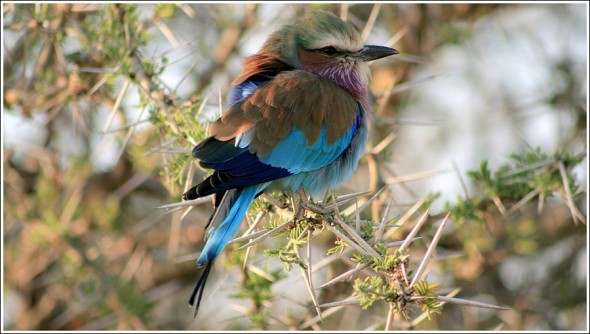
pixel 296 157
pixel 235 205
pixel 212 150
pixel 237 167
pixel 245 89
pixel 244 169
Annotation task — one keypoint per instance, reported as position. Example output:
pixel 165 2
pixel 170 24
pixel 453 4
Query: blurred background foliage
pixel 483 114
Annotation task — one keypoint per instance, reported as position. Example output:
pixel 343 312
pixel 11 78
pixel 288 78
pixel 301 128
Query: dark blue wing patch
pixel 211 150
pixel 234 167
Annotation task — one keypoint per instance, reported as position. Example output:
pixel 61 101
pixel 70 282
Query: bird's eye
pixel 329 50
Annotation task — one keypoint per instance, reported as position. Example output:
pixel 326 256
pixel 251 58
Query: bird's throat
pixel 348 74
pixel 351 80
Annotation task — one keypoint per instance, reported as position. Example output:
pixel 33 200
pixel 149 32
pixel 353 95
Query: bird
pixel 296 122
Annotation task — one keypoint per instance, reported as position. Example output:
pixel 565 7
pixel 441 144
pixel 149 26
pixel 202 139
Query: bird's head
pixel 321 43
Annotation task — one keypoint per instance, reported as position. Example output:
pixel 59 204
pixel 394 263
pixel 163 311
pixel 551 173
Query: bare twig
pixel 325 314
pixel 197 201
pixel 345 275
pixel 348 211
pixel 267 234
pixel 429 251
pixel 522 202
pixel 398 36
pixel 390 314
pixel 354 235
pixel 307 275
pixel 384 143
pixel 406 216
pixel 416 176
pixel 568 195
pixel 129 134
pixel 347 301
pixel 464 302
pixel 384 219
pixel 346 239
pixel 122 93
pixel 461 181
pixel 371 21
pixel 414 231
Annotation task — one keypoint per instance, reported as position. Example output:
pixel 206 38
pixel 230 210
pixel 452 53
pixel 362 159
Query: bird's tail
pixel 224 224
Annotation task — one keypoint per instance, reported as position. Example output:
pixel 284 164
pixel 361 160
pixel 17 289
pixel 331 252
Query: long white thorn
pixel 429 251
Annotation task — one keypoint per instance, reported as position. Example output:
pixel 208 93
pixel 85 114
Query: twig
pixel 527 168
pixel 429 251
pixel 267 234
pixel 344 11
pixel 247 237
pixel 541 202
pixel 130 185
pixel 568 195
pixel 197 201
pixel 384 219
pixel 316 319
pixel 353 234
pixel 461 181
pixel 258 271
pixel 522 202
pixel 384 143
pixel 126 127
pixel 406 216
pixel 167 33
pixel 273 201
pixel 257 220
pixel 307 275
pixel 464 302
pixel 424 315
pixel 189 178
pixel 161 147
pixel 415 122
pixel 345 275
pixel 371 21
pixel 414 231
pixel 416 176
pixel 348 211
pixel 349 197
pixel 346 239
pixel 116 106
pixel 398 36
pixel 390 314
pixel 129 134
pixel 347 301
pixel 498 202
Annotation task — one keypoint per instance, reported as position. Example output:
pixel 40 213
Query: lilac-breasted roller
pixel 297 120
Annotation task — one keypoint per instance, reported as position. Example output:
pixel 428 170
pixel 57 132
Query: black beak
pixel 372 52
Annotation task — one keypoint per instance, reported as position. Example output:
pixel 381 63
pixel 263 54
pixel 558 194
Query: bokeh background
pixel 86 160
